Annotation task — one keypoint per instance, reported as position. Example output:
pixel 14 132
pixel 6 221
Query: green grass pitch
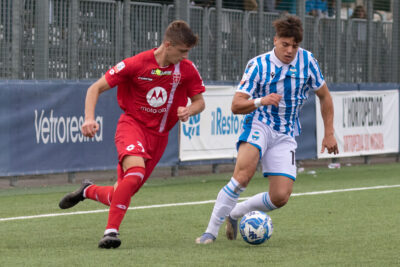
pixel 351 228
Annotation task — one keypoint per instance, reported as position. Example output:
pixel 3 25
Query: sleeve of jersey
pixel 249 80
pixel 317 79
pixel 119 73
pixel 195 82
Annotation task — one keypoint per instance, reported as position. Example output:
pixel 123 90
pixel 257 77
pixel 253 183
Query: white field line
pixel 191 203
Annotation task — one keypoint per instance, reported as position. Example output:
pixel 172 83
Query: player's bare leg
pixel 245 168
pixel 280 189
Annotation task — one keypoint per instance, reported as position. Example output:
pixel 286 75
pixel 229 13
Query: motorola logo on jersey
pixel 156 97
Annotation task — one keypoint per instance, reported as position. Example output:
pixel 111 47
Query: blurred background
pixel 354 40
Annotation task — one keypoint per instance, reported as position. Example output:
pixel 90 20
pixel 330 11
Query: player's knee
pixel 279 199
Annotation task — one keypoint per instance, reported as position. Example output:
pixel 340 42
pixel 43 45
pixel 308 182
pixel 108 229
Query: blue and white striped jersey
pixel 266 74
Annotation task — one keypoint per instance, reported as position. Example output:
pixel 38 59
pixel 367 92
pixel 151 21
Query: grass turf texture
pixel 358 228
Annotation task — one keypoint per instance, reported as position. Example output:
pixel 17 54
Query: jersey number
pixel 291 151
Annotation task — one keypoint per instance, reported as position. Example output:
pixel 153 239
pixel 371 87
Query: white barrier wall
pixel 213 133
pixel 366 123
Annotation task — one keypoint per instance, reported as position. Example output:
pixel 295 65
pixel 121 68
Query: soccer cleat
pixel 231 228
pixel 205 238
pixel 73 198
pixel 110 240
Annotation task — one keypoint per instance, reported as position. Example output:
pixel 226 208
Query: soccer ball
pixel 256 227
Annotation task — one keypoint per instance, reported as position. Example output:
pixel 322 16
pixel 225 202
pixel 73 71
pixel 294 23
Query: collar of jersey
pixel 279 63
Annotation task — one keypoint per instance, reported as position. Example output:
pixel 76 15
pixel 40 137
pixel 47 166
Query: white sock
pixel 260 202
pixel 111 230
pixel 84 191
pixel 226 200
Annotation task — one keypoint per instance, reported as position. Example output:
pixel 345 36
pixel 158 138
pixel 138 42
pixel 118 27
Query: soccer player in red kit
pixel 153 91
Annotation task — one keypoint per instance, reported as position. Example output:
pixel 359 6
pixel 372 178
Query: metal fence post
pixel 395 42
pixel 71 177
pixel 42 40
pixel 127 50
pixel 215 168
pixel 174 170
pixel 164 20
pixel 349 39
pixel 205 41
pixel 17 31
pixel 301 13
pixel 73 40
pixel 182 10
pixel 218 60
pixel 261 27
pixel 245 38
pixel 370 22
pixel 377 56
pixel 316 36
pixel 338 40
pixel 13 180
pixel 119 26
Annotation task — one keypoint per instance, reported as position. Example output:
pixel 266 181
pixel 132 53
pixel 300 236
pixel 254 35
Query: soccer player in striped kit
pixel 273 88
pixel 153 91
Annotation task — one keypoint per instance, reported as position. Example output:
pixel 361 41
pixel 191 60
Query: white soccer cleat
pixel 205 238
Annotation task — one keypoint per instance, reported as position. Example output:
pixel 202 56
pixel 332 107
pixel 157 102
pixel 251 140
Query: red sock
pixel 122 196
pixel 102 194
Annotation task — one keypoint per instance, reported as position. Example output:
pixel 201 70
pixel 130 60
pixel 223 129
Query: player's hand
pixel 89 128
pixel 183 113
pixel 329 142
pixel 271 99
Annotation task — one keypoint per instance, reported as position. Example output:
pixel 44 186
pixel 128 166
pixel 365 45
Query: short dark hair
pixel 289 26
pixel 179 32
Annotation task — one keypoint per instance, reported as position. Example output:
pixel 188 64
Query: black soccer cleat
pixel 73 198
pixel 110 240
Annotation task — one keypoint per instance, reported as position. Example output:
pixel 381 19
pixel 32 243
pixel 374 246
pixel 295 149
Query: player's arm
pixel 329 141
pixel 90 126
pixel 197 105
pixel 241 104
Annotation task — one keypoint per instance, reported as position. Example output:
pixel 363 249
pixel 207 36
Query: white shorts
pixel 277 150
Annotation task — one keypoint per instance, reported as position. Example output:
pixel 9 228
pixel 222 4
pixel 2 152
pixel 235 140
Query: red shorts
pixel 131 138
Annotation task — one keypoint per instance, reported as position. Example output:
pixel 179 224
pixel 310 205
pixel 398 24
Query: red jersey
pixel 151 94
